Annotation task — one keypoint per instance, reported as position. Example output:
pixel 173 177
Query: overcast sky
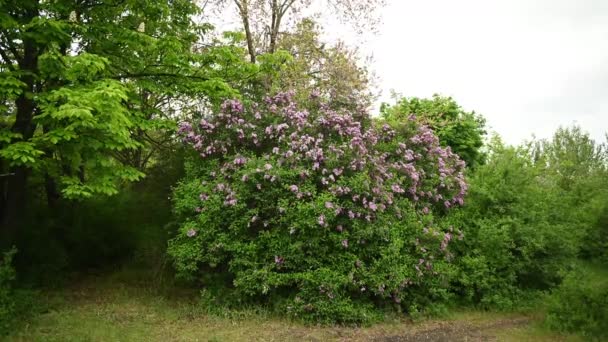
pixel 527 66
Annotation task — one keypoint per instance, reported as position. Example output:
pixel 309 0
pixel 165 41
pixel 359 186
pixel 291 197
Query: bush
pixel 518 233
pixel 325 217
pixel 531 212
pixel 580 304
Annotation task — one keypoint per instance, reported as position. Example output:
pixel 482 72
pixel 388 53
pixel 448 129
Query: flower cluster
pixel 328 147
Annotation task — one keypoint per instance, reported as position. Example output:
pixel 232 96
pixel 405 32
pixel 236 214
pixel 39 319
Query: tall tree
pixel 329 70
pixel 263 20
pixel 85 83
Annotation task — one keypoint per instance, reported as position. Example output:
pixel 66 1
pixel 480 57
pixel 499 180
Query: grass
pixel 111 308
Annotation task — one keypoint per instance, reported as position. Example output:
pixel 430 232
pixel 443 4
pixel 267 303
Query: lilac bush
pixel 326 216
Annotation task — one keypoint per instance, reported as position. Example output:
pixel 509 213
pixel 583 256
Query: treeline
pixel 247 164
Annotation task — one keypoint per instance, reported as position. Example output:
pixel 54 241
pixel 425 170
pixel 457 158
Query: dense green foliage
pixel 580 304
pixel 462 131
pixel 527 219
pixel 82 114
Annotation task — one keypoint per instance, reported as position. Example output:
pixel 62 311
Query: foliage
pixel 463 131
pixel 310 210
pixel 523 226
pixel 580 304
pixel 579 167
pixel 333 71
pixel 91 93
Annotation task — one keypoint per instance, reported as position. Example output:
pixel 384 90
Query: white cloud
pixel 527 66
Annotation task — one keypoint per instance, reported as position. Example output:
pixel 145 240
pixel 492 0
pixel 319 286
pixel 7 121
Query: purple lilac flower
pixel 373 206
pixel 321 220
pixel 191 233
pixel 345 243
pixel 240 161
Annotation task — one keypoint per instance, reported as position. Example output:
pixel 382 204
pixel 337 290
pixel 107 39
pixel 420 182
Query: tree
pixel 263 19
pixel 85 85
pixel 463 131
pixel 571 154
pixel 331 71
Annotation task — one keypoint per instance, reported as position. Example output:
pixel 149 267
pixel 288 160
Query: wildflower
pixel 345 243
pixel 191 233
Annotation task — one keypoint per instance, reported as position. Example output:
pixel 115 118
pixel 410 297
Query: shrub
pixel 580 304
pixel 323 216
pixel 520 231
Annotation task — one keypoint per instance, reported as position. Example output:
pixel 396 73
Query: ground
pixel 112 309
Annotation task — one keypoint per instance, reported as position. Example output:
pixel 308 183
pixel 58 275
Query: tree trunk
pixel 243 7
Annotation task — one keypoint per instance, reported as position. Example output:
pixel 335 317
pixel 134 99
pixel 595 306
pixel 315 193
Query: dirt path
pixel 458 331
